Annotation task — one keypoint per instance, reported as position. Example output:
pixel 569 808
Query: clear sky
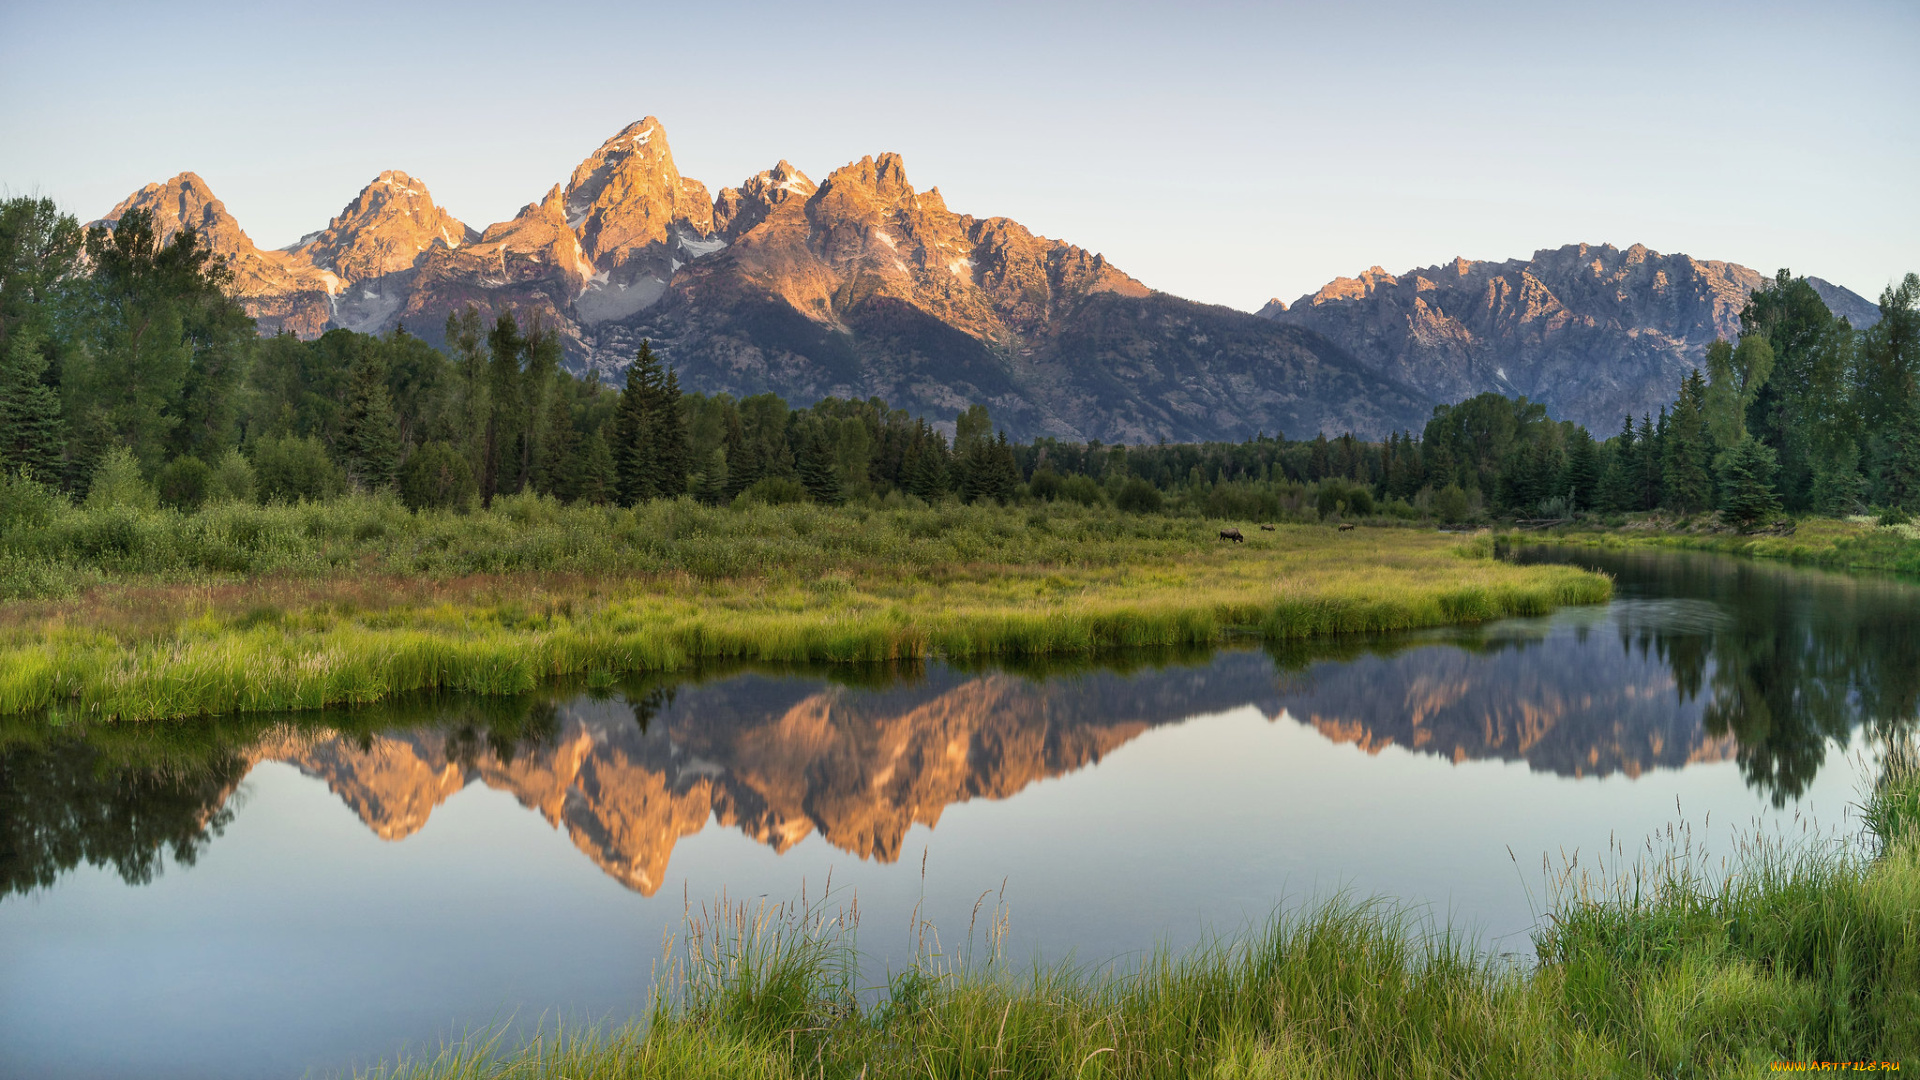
pixel 1225 152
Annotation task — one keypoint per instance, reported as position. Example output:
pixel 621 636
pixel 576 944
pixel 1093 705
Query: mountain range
pixel 862 285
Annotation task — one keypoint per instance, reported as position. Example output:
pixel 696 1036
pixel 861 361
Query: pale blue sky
pixel 1225 152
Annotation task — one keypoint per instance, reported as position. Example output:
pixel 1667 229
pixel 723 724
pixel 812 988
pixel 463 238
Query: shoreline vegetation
pixel 1665 964
pixel 1856 543
pixel 142 613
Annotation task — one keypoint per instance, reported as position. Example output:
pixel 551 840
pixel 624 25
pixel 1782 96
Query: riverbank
pixel 155 615
pixel 1832 543
pixel 1675 966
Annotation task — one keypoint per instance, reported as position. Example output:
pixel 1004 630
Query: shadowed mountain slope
pixel 1594 333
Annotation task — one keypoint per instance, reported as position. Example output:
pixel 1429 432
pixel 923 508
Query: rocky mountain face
pixel 281 291
pixel 857 286
pixel 1594 333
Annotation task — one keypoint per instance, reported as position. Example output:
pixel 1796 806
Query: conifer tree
pixel 599 479
pixel 1684 476
pixel 30 424
pixel 816 467
pixel 636 442
pixel 1648 459
pixel 712 488
pixel 559 467
pixel 1616 480
pixel 671 455
pixel 1747 495
pixel 370 434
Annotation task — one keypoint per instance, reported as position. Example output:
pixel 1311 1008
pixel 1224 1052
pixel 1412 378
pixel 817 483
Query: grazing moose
pixel 1233 535
pixel 1266 528
pixel 1347 527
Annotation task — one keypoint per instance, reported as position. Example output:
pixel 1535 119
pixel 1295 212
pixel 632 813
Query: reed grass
pixel 360 601
pixel 1833 543
pixel 1793 952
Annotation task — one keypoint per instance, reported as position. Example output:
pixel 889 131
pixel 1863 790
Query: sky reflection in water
pixel 338 885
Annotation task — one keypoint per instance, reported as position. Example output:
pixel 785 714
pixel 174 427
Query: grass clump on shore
pixel 1835 543
pixel 1795 954
pixel 242 608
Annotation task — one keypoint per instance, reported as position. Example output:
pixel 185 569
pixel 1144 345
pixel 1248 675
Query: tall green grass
pixel 1796 953
pixel 1856 544
pixel 242 608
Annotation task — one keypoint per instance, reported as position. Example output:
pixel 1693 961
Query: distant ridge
pixel 1593 332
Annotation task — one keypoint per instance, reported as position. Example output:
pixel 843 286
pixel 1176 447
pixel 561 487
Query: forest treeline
pixel 128 373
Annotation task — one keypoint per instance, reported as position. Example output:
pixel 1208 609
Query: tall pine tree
pixel 370 435
pixel 1684 477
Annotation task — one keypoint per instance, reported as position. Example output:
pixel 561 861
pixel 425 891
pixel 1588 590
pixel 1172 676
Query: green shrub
pixel 1335 497
pixel 292 469
pixel 184 483
pixel 1138 497
pixel 1083 490
pixel 437 476
pixel 117 483
pixel 773 491
pixel 231 479
pixel 1451 504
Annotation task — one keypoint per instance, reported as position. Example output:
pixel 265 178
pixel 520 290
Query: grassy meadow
pixel 126 613
pixel 1669 965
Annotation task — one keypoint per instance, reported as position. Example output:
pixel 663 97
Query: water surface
pixel 272 896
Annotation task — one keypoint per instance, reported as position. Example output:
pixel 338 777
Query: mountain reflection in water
pixel 1698 659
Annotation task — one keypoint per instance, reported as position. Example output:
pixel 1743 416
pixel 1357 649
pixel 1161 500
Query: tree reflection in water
pixel 1714 657
pixel 1791 660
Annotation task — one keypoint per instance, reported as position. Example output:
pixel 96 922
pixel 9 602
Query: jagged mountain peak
pixel 185 202
pixel 628 195
pixel 884 178
pixel 386 229
pixel 738 209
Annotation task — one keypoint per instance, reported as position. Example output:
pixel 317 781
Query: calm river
pixel 275 897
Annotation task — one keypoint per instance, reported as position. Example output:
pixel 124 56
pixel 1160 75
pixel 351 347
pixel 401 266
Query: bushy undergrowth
pixel 147 613
pixel 1798 954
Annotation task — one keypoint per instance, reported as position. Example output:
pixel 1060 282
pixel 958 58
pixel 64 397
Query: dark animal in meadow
pixel 1266 528
pixel 1348 527
pixel 1232 534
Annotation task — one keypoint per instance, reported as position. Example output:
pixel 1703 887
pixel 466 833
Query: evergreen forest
pixel 129 374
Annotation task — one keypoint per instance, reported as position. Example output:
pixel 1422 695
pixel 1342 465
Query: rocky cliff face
pixel 281 291
pixel 858 286
pixel 1594 333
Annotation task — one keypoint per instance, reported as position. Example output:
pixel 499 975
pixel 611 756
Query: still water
pixel 276 897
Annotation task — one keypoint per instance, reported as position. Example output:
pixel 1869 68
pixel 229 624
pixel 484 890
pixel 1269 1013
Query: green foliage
pixel 1736 376
pixel 369 431
pixel 184 483
pixel 231 479
pixel 1136 496
pixel 1451 504
pixel 293 469
pixel 772 491
pixel 1685 482
pixel 117 483
pixel 437 477
pixel 1747 495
